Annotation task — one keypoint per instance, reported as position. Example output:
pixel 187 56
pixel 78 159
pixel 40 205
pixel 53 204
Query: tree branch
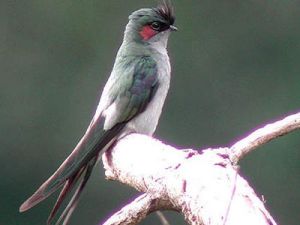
pixel 136 211
pixel 263 135
pixel 204 186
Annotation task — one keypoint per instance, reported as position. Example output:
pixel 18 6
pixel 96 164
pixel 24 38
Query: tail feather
pixel 65 216
pixel 63 194
pixel 81 160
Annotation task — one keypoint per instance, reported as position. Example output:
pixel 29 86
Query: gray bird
pixel 131 101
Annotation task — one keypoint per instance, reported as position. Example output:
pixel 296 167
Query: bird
pixel 131 102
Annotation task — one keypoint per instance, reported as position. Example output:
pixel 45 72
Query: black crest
pixel 166 11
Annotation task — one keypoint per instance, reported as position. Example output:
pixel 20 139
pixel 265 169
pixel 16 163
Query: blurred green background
pixel 235 67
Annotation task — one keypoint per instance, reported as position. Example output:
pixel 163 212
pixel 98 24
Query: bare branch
pixel 204 186
pixel 264 135
pixel 134 212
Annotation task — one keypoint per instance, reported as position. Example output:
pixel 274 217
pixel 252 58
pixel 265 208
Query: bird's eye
pixel 155 25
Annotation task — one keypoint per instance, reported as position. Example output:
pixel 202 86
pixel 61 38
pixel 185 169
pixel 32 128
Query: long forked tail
pixel 77 167
pixel 65 216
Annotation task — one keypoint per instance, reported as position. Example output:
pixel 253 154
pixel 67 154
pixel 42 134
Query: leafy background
pixel 235 67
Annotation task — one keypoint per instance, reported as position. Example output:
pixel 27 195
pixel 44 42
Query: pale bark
pixel 205 186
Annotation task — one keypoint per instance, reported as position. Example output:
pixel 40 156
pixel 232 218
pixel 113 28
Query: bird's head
pixel 151 25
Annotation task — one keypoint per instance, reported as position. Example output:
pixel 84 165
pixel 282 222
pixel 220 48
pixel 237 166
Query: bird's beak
pixel 173 28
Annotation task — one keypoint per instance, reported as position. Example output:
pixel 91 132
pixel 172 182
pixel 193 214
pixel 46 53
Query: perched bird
pixel 131 101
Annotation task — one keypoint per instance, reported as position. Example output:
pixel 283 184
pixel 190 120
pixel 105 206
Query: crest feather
pixel 166 11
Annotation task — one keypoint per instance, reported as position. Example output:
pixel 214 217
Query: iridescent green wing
pixel 133 92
